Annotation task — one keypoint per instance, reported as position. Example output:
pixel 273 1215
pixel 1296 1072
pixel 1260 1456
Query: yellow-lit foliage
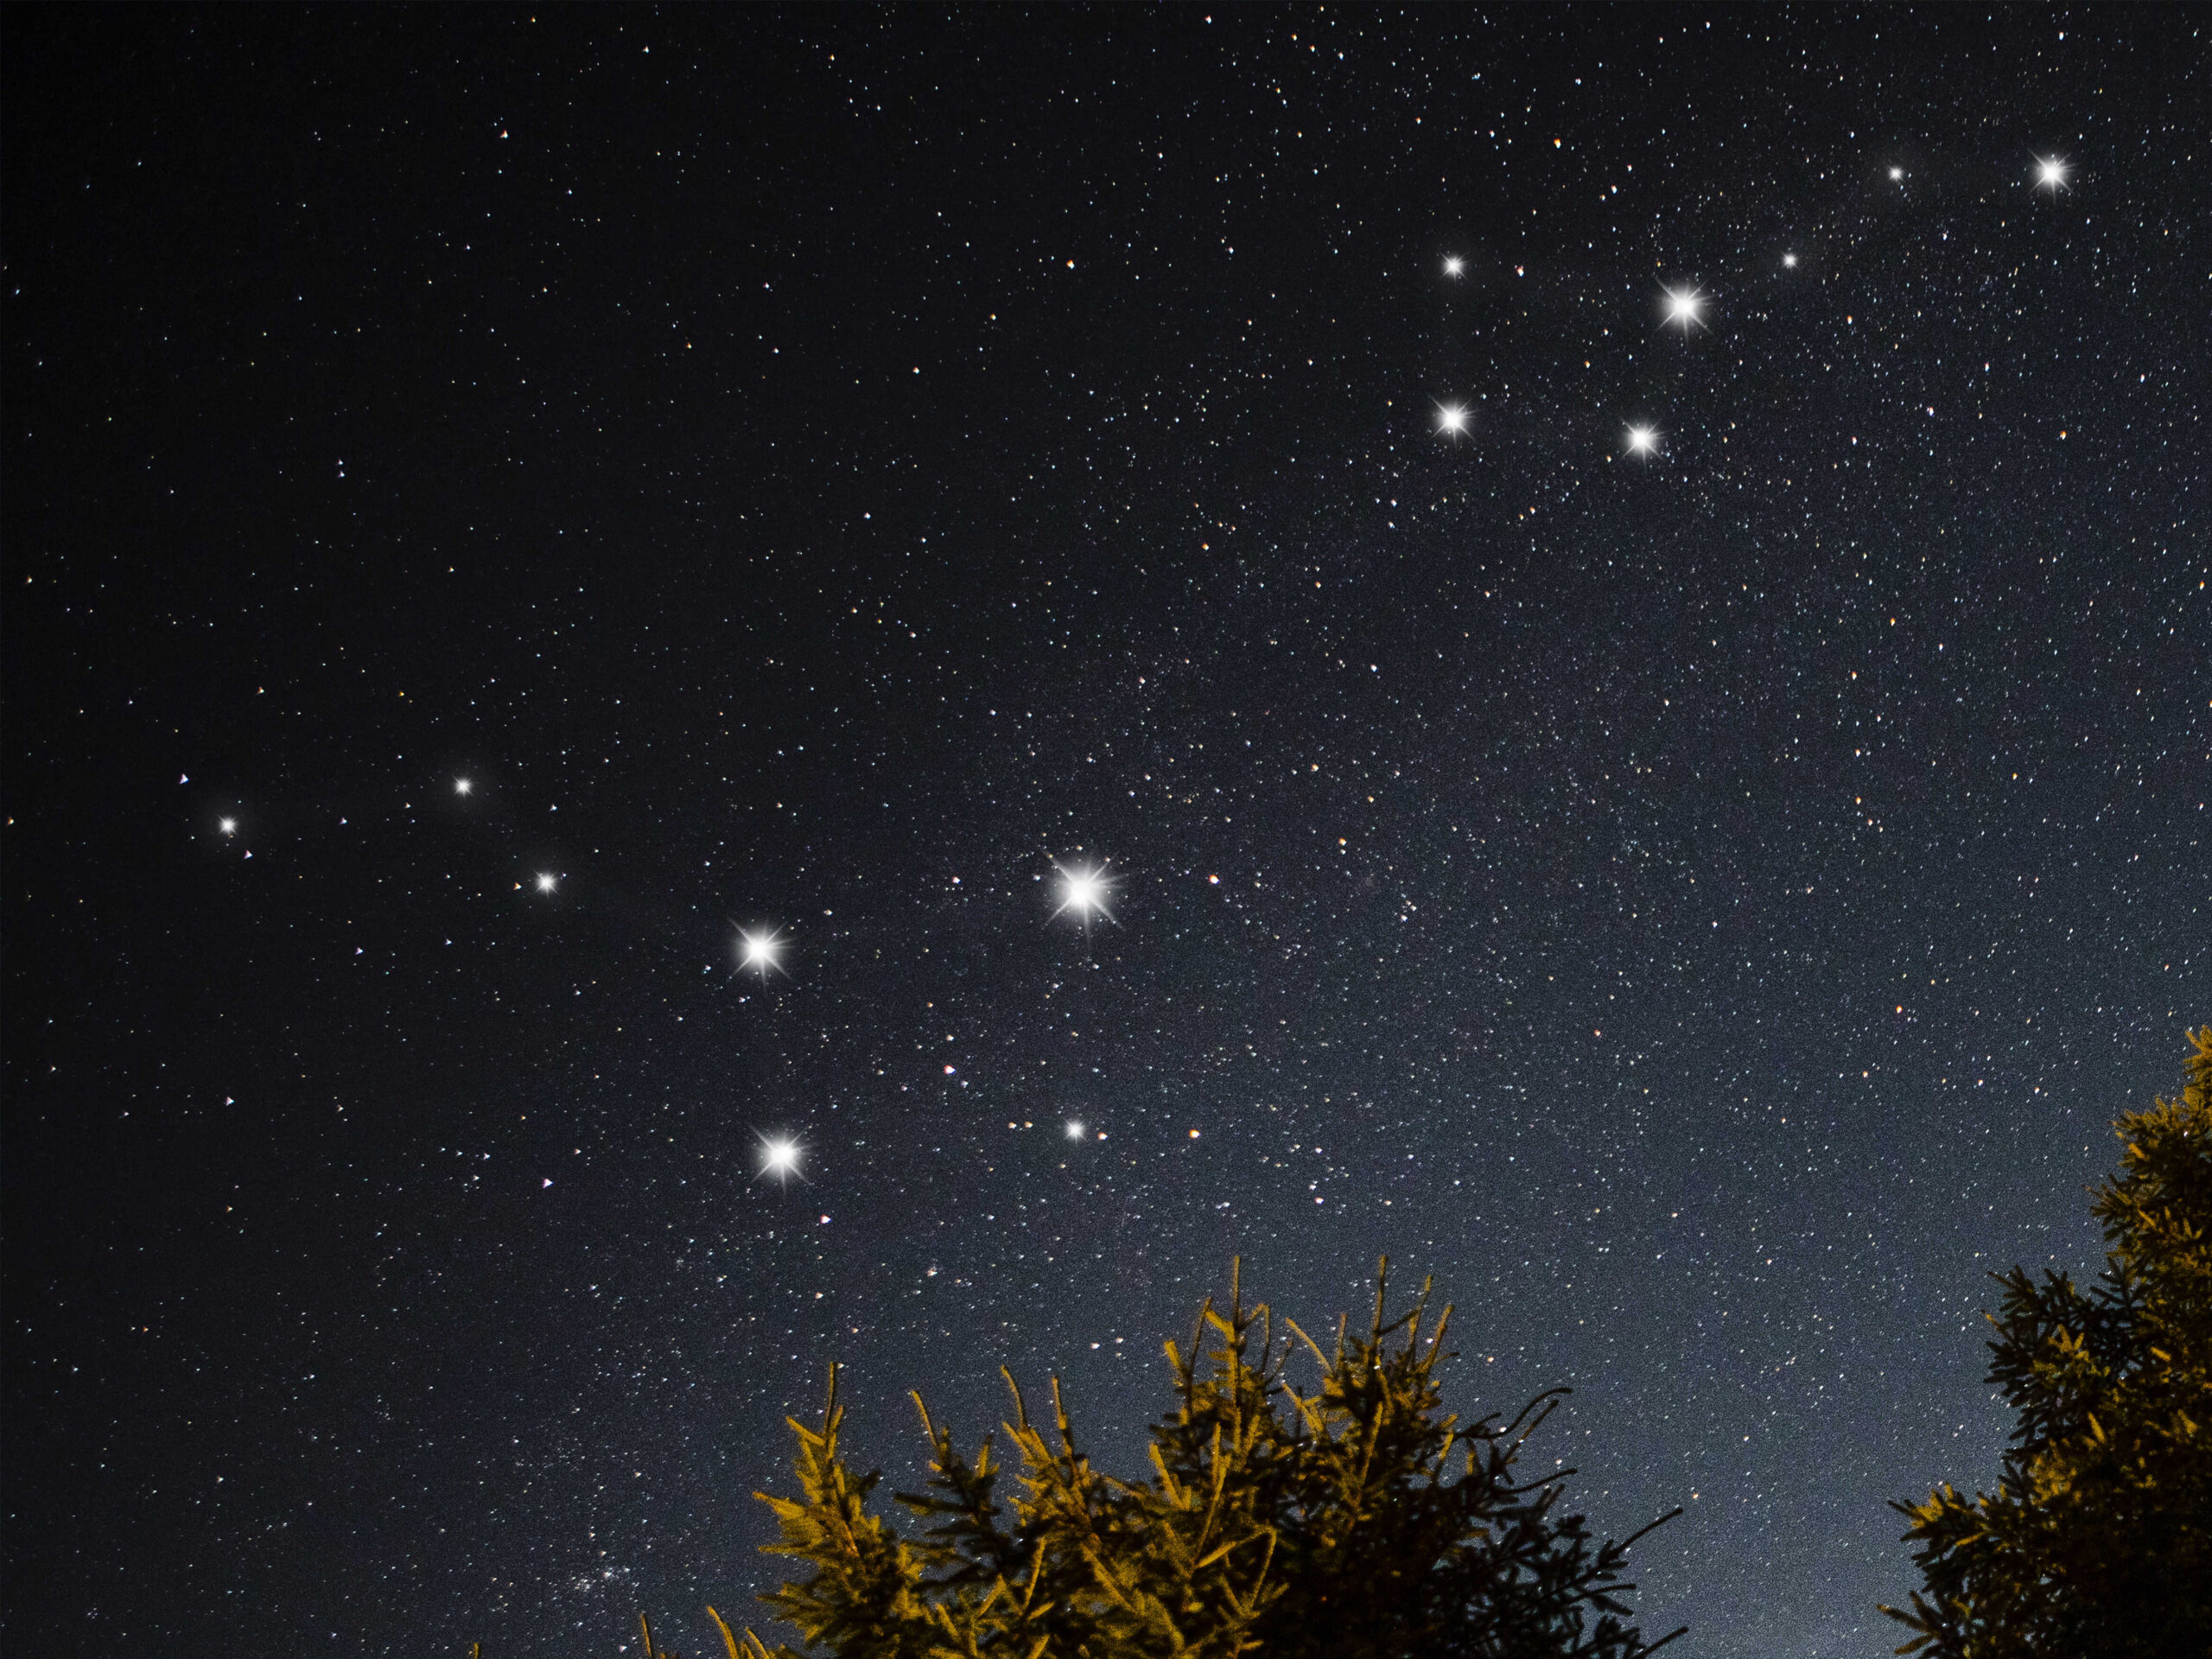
pixel 1356 1521
pixel 2098 1540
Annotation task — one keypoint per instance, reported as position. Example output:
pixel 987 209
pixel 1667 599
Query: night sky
pixel 834 476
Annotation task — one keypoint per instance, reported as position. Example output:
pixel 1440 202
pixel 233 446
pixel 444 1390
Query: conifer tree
pixel 1358 1521
pixel 2098 1540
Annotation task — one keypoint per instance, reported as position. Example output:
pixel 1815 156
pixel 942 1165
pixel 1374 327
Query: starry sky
pixel 834 476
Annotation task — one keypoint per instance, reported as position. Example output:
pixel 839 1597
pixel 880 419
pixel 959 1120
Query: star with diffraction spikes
pixel 760 951
pixel 1452 419
pixel 1685 308
pixel 1083 889
pixel 779 1157
pixel 2050 173
pixel 1642 440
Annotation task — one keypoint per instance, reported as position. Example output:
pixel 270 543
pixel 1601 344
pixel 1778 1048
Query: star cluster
pixel 695 693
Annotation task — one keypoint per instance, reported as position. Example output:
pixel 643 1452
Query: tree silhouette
pixel 1358 1520
pixel 2098 1540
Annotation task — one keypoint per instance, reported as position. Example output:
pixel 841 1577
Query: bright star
pixel 1895 172
pixel 1083 889
pixel 229 826
pixel 759 951
pixel 1454 266
pixel 1075 1131
pixel 546 882
pixel 1683 305
pixel 462 786
pixel 1451 418
pixel 1790 261
pixel 1642 440
pixel 2050 173
pixel 780 1156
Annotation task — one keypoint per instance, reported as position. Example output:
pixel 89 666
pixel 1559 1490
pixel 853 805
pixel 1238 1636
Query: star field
pixel 694 692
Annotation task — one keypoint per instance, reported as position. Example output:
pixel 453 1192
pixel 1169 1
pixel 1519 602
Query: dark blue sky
pixel 824 471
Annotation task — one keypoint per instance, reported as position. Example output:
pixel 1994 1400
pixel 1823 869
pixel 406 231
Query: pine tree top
pixel 2098 1540
pixel 1355 1518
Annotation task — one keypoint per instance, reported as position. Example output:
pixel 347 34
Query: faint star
pixel 1455 266
pixel 1642 440
pixel 2050 173
pixel 546 882
pixel 1684 306
pixel 1451 418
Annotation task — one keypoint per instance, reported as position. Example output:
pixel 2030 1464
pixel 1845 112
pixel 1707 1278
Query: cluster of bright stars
pixel 1684 308
pixel 1084 889
pixel 545 881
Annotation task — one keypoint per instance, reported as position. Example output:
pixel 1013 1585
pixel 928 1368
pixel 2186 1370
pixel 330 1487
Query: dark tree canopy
pixel 2098 1540
pixel 1358 1520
